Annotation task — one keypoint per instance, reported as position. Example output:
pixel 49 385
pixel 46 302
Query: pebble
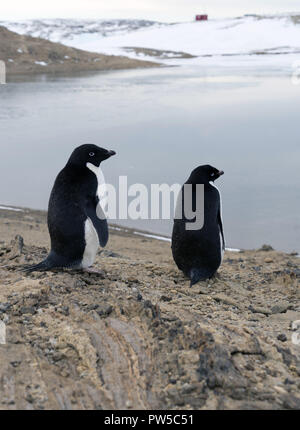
pixel 225 299
pixel 268 260
pixel 15 363
pixel 27 310
pixel 266 248
pixel 4 307
pixel 165 298
pixel 282 337
pixel 280 389
pixel 187 388
pixel 257 310
pixel 280 308
pixel 289 381
pixel 104 310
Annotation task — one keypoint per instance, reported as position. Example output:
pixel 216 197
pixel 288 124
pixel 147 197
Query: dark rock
pixel 154 308
pixel 107 253
pixel 104 310
pixel 165 299
pixel 296 272
pixel 257 310
pixel 148 304
pixel 288 358
pixel 282 337
pixel 64 310
pixel 27 310
pixel 4 307
pixel 16 363
pixel 229 261
pixel 291 402
pixel 188 388
pixel 291 264
pixel 266 248
pixel 92 307
pixel 289 382
pixel 80 283
pixel 280 308
pixel 217 369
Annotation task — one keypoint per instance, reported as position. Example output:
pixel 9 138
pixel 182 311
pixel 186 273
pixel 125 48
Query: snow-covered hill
pixel 62 30
pixel 257 39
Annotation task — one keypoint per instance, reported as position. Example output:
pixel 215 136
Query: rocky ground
pixel 138 337
pixel 30 55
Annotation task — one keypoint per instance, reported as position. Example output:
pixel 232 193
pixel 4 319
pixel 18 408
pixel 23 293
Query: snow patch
pixel 153 236
pixel 41 63
pixel 8 208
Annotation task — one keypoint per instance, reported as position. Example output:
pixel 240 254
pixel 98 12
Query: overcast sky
pixel 162 10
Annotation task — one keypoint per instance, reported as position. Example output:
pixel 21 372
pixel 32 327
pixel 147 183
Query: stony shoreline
pixel 138 337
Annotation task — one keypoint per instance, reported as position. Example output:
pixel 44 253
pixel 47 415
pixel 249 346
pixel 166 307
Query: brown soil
pixel 138 337
pixel 22 54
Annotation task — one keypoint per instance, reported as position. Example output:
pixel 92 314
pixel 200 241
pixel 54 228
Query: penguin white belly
pixel 222 250
pixel 91 244
pixel 101 189
pixel 221 239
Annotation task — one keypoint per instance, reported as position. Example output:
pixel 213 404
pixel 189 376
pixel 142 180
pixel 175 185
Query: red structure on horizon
pixel 201 17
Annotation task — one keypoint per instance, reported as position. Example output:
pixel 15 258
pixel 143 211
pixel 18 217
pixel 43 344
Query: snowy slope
pixel 231 36
pixel 254 38
pixel 62 30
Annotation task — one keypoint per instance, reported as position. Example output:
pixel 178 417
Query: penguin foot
pixel 92 270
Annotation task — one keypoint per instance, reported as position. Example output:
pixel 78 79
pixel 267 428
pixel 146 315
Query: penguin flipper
pixel 99 222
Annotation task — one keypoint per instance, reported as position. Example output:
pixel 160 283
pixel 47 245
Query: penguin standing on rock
pixel 198 253
pixel 76 222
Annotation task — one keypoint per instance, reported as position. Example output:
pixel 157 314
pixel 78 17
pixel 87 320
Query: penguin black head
pixel 89 153
pixel 204 174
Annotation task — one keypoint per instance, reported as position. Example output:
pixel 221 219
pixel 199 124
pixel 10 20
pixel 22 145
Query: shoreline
pixel 134 231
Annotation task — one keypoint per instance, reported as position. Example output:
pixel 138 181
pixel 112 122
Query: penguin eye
pixel 212 174
pixel 91 154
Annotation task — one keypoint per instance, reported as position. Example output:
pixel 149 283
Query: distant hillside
pixel 25 54
pixel 59 30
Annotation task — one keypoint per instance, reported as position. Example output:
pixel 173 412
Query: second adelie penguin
pixel 198 253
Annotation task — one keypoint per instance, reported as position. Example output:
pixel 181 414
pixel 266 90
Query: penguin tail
pixel 197 275
pixel 40 267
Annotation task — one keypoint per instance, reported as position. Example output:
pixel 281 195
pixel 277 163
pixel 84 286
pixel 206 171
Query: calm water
pixel 163 123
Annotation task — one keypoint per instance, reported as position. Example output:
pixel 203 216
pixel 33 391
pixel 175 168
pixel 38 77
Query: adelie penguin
pixel 76 222
pixel 198 253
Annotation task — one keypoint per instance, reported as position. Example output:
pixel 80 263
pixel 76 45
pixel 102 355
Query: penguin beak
pixel 111 153
pixel 221 172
